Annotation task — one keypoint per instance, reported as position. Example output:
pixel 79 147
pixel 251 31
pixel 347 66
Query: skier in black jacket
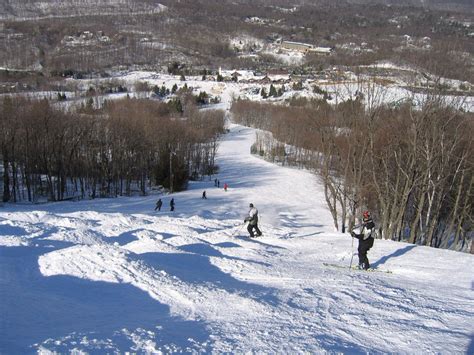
pixel 366 239
pixel 159 203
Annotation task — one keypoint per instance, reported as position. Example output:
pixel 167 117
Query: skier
pixel 172 204
pixel 253 221
pixel 204 195
pixel 366 240
pixel 159 203
pixel 225 186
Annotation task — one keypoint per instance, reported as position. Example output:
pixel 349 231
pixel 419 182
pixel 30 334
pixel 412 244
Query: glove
pixel 353 235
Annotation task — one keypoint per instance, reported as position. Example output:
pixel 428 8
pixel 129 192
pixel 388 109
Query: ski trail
pixel 209 288
pixel 285 197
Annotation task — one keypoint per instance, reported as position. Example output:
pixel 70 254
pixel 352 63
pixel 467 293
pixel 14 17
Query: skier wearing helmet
pixel 253 221
pixel 366 239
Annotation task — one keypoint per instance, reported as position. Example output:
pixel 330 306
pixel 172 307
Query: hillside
pixel 57 39
pixel 19 10
pixel 53 8
pixel 113 275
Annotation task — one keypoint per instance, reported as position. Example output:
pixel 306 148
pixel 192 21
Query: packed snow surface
pixel 113 275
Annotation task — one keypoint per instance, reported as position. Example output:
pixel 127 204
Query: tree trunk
pixel 6 180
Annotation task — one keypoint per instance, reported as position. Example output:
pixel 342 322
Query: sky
pixel 114 275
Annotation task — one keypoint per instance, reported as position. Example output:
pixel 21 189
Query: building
pixel 305 48
pixel 296 46
pixel 322 50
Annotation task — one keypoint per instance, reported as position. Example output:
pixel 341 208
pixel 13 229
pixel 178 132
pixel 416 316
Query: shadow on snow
pixel 195 267
pixel 395 254
pixel 35 308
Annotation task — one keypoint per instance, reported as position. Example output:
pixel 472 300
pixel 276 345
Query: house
pixel 87 35
pixel 265 80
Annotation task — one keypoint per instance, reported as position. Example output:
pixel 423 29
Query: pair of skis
pixel 237 232
pixel 355 268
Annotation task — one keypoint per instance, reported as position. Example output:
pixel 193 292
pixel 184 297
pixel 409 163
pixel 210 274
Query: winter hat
pixel 366 214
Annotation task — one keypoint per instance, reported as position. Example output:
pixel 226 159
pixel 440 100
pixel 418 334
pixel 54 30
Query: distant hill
pixel 84 36
pixel 451 5
pixel 20 9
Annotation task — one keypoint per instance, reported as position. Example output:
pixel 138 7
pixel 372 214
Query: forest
pixel 127 146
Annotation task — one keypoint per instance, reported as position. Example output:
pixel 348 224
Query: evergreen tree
pixel 163 91
pixel 281 90
pixel 273 91
pixel 202 98
pixel 176 105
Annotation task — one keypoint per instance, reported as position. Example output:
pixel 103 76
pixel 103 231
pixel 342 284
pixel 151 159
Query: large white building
pixel 305 47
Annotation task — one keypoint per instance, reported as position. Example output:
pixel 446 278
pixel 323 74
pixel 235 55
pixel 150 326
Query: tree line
pixel 126 146
pixel 410 163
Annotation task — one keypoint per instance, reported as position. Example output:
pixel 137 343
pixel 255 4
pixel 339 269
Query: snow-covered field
pixel 113 275
pixel 394 91
pixel 339 91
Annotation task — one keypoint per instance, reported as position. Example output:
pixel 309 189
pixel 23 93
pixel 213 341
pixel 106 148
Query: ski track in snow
pixel 113 275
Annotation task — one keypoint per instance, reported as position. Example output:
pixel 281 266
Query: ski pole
pixel 238 230
pixel 352 251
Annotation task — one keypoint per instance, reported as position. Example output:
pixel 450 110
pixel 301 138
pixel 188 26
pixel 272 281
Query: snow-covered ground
pixel 339 91
pixel 113 275
pixel 394 91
